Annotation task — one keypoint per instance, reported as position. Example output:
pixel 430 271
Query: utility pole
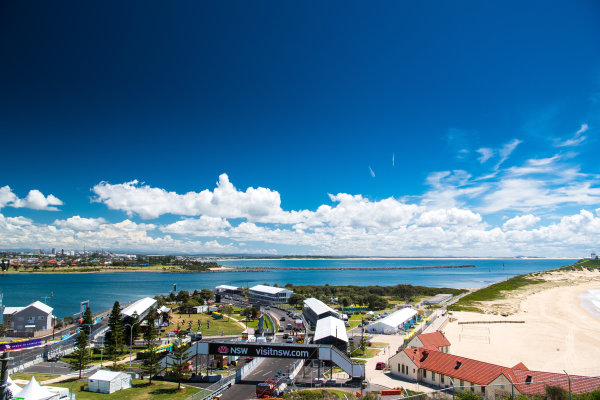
pixel 568 376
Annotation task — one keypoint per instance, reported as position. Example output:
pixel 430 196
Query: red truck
pixel 271 387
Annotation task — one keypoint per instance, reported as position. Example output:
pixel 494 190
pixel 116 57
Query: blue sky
pixel 461 129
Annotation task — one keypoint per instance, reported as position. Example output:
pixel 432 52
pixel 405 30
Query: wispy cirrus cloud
pixel 485 154
pixel 371 172
pixel 506 150
pixel 576 139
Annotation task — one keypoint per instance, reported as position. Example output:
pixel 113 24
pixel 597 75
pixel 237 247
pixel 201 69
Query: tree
pixel 206 294
pixel 178 362
pixel 79 359
pixel 226 309
pixel 3 329
pixel 182 296
pixel 556 393
pixel 296 299
pixel 87 317
pixel 115 336
pixel 151 363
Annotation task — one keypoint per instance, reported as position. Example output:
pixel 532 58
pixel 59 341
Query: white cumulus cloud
pixel 521 222
pixel 224 201
pixel 80 224
pixel 34 200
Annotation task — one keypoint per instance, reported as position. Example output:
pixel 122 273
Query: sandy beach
pixel 557 334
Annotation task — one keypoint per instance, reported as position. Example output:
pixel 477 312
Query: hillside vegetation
pixel 498 290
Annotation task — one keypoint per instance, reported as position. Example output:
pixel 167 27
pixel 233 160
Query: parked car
pixel 286 335
pixel 330 382
pixel 289 327
pixel 380 365
pixel 290 339
pixel 280 329
pixel 347 324
pixel 282 319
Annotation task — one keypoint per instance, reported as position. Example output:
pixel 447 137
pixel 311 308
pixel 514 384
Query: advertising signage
pixel 263 350
pixel 20 344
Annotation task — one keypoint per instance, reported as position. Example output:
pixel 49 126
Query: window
pixel 41 318
pixel 462 383
pixel 472 387
pixel 433 376
pixel 483 390
pixel 442 378
pixel 20 318
pixel 424 373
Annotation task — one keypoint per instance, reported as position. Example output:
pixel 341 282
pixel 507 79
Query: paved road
pixel 246 389
pixel 45 367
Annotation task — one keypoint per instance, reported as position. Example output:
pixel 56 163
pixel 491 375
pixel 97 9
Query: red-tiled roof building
pixel 429 364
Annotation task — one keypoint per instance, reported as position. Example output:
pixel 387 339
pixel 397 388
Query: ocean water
pixel 102 289
pixel 590 300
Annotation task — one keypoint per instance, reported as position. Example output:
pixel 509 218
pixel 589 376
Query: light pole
pixel 90 340
pixel 130 338
pixel 102 348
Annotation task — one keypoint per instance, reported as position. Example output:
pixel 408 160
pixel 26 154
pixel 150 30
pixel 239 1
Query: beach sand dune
pixel 557 334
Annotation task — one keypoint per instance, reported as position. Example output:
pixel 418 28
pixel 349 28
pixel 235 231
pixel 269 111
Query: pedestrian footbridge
pixel 281 350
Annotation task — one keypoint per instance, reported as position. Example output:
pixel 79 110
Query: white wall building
pixel 262 294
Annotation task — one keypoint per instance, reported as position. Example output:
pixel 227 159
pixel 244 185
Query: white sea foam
pixel 590 300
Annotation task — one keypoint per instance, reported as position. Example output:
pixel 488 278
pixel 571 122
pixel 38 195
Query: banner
pixel 264 350
pixel 20 344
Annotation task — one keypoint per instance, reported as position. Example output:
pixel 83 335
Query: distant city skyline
pixel 271 128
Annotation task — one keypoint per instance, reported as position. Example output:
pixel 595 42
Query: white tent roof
pixel 269 289
pixel 330 326
pixel 318 306
pixel 12 386
pixel 105 375
pixel 226 287
pixel 34 391
pixel 397 318
pixel 139 307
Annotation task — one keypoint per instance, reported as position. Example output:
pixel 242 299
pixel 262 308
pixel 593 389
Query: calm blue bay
pixel 102 289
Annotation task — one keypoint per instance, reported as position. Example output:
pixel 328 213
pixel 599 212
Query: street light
pixel 131 337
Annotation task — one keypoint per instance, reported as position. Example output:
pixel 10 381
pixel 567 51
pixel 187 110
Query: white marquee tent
pixel 34 391
pixel 105 381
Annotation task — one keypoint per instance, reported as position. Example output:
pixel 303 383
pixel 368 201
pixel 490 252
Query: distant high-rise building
pixel 53 250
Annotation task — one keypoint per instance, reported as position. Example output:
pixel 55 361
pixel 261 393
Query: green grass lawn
pixel 316 394
pixel 354 320
pixel 368 353
pixel 38 377
pixel 217 326
pixel 379 345
pixel 140 391
pixel 254 323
